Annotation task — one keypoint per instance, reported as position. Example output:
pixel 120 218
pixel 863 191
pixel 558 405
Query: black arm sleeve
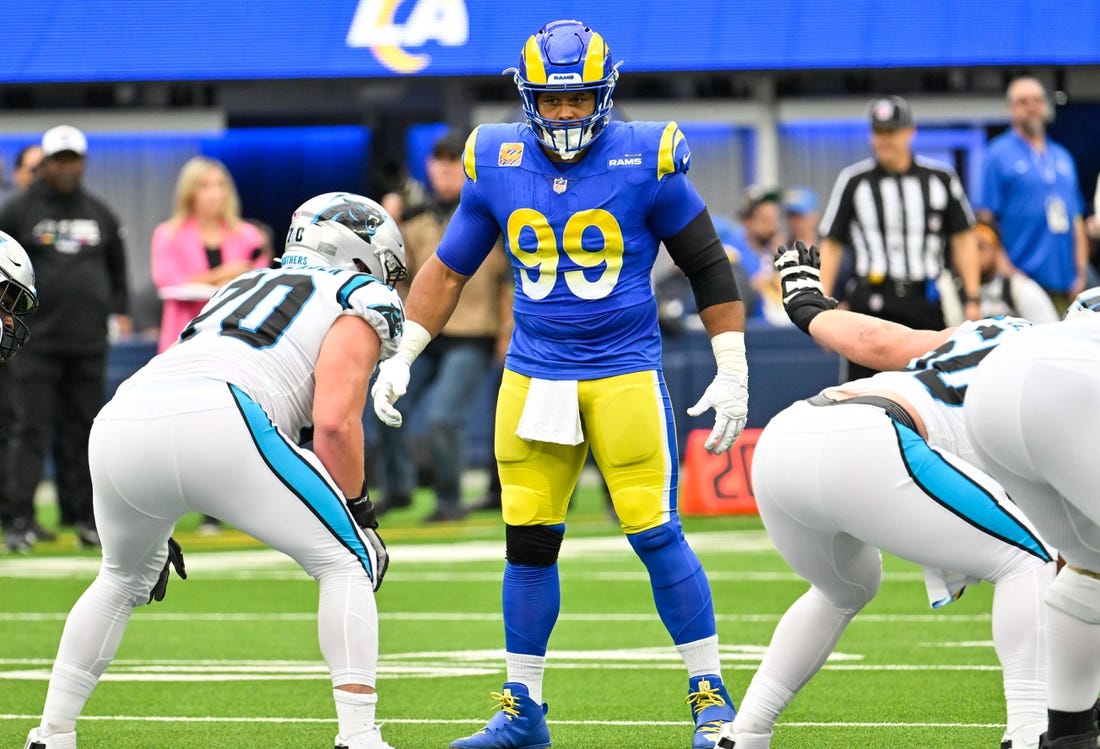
pixel 697 251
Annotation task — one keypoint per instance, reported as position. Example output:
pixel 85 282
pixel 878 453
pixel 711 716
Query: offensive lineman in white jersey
pixel 885 463
pixel 213 425
pixel 1032 410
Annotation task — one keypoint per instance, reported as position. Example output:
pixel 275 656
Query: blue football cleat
pixel 520 724
pixel 711 707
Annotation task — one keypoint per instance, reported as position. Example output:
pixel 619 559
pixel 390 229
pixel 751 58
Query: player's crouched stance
pixel 884 463
pixel 213 425
pixel 1032 410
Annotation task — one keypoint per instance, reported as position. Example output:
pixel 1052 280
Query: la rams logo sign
pixel 376 25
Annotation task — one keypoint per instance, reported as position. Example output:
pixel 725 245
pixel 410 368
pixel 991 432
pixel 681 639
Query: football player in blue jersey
pixel 583 204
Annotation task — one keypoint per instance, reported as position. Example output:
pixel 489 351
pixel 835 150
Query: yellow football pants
pixel 628 424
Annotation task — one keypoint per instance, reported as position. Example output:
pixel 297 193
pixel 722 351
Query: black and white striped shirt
pixel 898 225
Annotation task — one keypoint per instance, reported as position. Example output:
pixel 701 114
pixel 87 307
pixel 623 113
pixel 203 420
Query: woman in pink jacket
pixel 204 245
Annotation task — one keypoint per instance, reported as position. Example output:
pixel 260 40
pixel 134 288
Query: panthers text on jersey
pixel 935 384
pixel 582 239
pixel 263 332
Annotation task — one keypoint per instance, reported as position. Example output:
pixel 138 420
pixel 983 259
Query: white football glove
pixel 728 395
pixel 391 384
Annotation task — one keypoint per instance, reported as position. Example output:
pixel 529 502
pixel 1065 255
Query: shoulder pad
pixel 661 144
pixel 987 325
pixel 494 145
pixel 673 154
pixel 366 296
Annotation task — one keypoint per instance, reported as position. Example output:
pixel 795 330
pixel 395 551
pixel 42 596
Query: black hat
pixel 890 113
pixel 450 146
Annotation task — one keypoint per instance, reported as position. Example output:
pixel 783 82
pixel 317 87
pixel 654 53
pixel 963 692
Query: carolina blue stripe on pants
pixel 301 478
pixel 959 493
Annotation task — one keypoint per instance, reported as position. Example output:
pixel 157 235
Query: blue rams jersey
pixel 582 239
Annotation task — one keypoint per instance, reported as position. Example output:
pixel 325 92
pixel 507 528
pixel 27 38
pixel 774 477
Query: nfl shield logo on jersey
pixel 560 184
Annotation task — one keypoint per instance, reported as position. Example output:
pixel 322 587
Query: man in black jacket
pixel 75 243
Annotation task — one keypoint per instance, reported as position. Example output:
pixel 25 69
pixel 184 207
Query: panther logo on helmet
pixel 347 231
pixel 566 56
pixel 361 218
pixel 1086 302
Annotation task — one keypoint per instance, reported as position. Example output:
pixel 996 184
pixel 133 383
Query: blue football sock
pixel 680 586
pixel 532 599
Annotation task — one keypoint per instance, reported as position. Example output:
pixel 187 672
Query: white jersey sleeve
pixel 263 333
pixel 935 384
pixel 378 304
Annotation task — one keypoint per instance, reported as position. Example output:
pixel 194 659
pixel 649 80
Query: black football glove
pixel 799 270
pixel 362 511
pixel 175 559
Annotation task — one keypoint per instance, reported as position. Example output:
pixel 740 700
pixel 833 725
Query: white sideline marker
pixel 481 720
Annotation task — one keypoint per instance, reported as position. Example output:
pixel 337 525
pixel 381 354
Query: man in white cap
pixel 75 243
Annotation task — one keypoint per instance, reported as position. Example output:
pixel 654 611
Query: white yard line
pixel 493 616
pixel 449 552
pixel 436 664
pixel 478 721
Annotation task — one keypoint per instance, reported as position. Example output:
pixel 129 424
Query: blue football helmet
pixel 566 56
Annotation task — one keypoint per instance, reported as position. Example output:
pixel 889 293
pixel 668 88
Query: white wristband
pixel 414 338
pixel 729 351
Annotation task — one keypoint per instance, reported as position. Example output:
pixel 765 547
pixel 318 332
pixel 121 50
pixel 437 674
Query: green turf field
pixel 230 657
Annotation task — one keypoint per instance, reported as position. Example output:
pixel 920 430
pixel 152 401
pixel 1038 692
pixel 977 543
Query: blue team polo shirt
pixel 1018 186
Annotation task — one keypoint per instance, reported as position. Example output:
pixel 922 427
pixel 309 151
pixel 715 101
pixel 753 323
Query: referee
pixel 903 217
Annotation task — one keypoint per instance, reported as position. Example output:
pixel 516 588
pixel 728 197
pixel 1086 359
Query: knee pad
pixel 665 553
pixel 1077 593
pixel 533 545
pixel 131 589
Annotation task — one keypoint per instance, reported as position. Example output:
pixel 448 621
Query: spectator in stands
pixel 27 162
pixel 802 210
pixel 75 242
pixel 22 174
pixel 1005 290
pixel 898 213
pixel 759 213
pixel 405 191
pixel 201 247
pixel 26 167
pixel 1029 185
pixel 470 348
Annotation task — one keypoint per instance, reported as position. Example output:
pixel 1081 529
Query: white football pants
pixel 837 484
pixel 159 450
pixel 1032 411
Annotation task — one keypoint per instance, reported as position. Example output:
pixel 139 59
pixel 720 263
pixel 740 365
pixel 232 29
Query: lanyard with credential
pixel 1044 164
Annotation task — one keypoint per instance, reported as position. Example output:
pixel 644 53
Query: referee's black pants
pixel 900 302
pixel 57 397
